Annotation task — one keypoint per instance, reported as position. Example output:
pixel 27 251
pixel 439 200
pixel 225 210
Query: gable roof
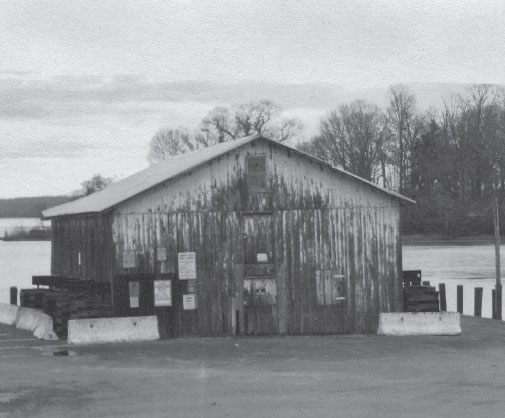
pixel 137 183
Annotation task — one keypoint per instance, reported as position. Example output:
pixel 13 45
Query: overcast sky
pixel 84 85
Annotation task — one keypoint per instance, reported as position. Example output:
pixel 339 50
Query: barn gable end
pixel 283 243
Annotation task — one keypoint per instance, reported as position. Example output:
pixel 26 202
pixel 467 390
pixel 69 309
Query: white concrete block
pixel 8 314
pixel 107 330
pixel 37 322
pixel 419 323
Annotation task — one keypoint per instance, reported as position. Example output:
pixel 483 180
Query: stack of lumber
pixel 63 304
pixel 420 299
pixel 32 298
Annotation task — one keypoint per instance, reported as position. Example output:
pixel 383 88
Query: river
pixel 468 265
pixel 19 261
pixel 471 266
pixel 8 225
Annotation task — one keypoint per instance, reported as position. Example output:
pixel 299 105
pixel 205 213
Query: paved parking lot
pixel 319 376
pixel 12 339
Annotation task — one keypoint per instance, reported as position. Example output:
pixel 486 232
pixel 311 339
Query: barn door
pixel 331 294
pixel 260 287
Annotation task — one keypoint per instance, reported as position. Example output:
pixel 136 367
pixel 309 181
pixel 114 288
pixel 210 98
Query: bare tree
pixel 219 126
pixel 405 127
pixel 95 184
pixel 473 123
pixel 167 143
pixel 224 124
pixel 286 129
pixel 351 138
pixel 255 117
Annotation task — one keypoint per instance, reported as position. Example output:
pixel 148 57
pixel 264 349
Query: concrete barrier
pixel 419 323
pixel 37 322
pixel 108 330
pixel 8 314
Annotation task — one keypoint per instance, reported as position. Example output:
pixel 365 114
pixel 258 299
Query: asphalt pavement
pixel 304 376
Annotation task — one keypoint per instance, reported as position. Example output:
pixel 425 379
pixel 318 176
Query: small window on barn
pixel 257 174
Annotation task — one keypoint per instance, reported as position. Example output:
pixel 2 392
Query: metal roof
pixel 152 176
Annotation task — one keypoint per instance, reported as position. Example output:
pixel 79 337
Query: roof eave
pixel 181 173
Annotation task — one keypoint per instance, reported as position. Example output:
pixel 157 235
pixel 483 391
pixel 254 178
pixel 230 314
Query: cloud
pixel 16 73
pixel 60 147
pixel 73 116
pixel 63 96
pixel 75 97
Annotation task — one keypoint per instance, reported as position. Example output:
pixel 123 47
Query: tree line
pixel 29 207
pixel 449 160
pixel 32 207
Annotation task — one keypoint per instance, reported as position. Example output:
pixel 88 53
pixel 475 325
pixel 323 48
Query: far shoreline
pixel 434 240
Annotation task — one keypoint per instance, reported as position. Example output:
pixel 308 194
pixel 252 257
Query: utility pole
pixel 497 314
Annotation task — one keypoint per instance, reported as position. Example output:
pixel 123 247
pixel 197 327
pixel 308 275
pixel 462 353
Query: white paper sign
pixel 262 258
pixel 134 291
pixel 134 301
pixel 129 259
pixel 189 302
pixel 187 266
pixel 162 293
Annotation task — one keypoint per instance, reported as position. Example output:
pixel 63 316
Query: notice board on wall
pixel 187 266
pixel 163 293
pixel 189 302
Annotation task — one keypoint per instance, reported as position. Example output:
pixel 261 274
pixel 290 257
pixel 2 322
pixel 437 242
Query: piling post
pixel 493 298
pixel 477 306
pixel 498 302
pixel 497 314
pixel 14 295
pixel 460 298
pixel 443 302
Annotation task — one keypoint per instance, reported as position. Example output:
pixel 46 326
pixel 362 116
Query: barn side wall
pixel 327 229
pixel 89 236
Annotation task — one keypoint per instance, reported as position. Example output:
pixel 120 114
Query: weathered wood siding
pixel 334 239
pixel 89 236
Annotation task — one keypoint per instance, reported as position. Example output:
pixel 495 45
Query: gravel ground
pixel 317 376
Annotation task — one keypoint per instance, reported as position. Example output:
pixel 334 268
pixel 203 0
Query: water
pixel 19 261
pixel 10 224
pixel 471 266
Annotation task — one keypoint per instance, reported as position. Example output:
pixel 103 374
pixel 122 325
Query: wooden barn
pixel 245 237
